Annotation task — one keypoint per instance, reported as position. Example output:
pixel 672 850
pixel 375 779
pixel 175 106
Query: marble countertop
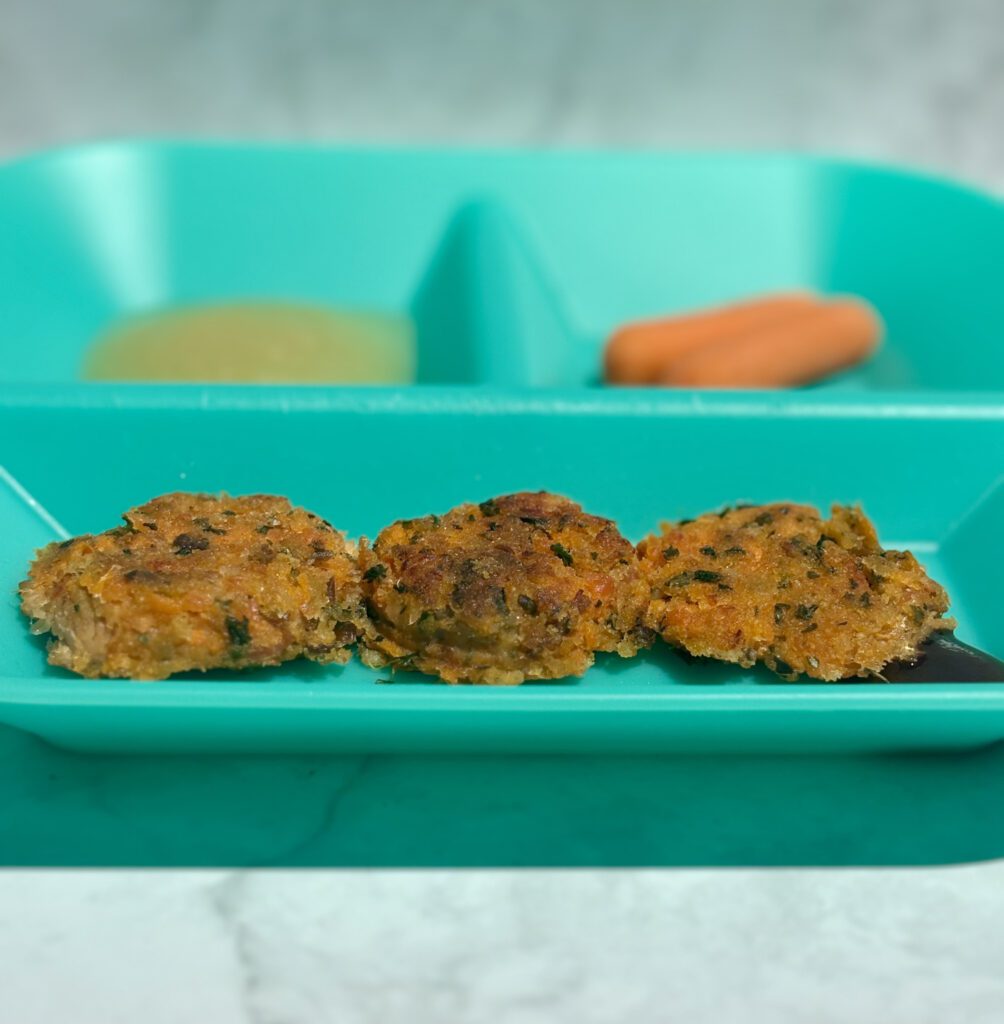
pixel 917 947
pixel 913 81
pixel 917 82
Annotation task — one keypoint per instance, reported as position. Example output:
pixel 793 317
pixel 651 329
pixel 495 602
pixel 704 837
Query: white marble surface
pixel 918 81
pixel 897 947
pixel 907 81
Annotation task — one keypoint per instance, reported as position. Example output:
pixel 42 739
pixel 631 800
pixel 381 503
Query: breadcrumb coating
pixel 525 586
pixel 197 581
pixel 780 585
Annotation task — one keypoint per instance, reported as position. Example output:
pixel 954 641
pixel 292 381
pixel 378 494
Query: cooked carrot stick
pixel 812 344
pixel 638 353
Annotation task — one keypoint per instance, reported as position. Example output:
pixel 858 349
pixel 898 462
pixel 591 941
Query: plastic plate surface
pixel 364 461
pixel 514 267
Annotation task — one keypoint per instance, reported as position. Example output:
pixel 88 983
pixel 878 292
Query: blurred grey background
pixel 911 81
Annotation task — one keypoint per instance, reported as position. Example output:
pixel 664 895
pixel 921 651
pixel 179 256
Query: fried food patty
pixel 194 581
pixel 778 584
pixel 526 586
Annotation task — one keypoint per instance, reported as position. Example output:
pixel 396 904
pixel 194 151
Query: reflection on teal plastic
pixel 62 808
pixel 974 553
pixel 517 264
pixel 486 314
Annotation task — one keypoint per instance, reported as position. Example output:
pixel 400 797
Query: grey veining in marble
pixel 895 947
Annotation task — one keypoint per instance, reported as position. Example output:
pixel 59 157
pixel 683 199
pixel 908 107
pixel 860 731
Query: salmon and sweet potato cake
pixel 521 587
pixel 524 586
pixel 780 585
pixel 197 581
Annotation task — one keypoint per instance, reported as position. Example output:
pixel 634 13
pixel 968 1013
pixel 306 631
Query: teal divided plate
pixel 514 267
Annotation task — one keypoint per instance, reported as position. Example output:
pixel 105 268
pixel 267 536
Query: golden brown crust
pixel 777 584
pixel 525 586
pixel 196 581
